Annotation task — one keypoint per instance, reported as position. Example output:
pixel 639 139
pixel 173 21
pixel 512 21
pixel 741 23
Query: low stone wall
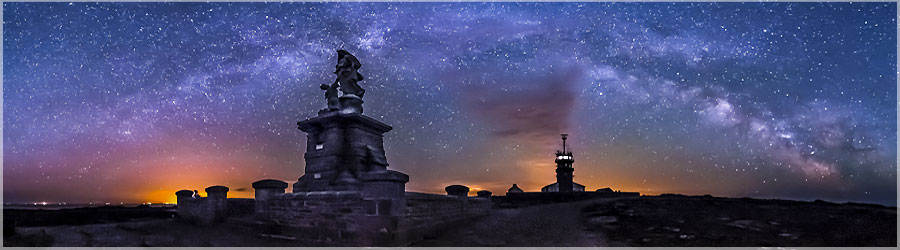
pixel 203 210
pixel 514 200
pixel 428 214
pixel 237 207
pixel 349 218
pixel 197 210
pixel 333 218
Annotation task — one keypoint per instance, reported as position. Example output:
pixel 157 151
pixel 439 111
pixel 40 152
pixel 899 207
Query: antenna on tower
pixel 564 136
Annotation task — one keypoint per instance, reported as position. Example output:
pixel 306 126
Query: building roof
pixel 514 189
pixel 557 184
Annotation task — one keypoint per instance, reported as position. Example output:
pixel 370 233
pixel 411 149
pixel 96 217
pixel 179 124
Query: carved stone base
pixel 345 152
pixel 351 104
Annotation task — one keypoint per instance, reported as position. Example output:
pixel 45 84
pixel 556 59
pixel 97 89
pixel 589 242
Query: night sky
pixel 129 102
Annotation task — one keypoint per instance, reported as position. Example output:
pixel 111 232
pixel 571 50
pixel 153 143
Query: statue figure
pixel 331 95
pixel 348 74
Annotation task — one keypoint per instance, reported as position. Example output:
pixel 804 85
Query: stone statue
pixel 331 95
pixel 348 75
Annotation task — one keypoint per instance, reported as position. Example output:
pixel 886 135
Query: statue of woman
pixel 348 74
pixel 331 97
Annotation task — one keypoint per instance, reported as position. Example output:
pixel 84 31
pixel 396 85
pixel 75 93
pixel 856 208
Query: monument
pixel 344 148
pixel 346 195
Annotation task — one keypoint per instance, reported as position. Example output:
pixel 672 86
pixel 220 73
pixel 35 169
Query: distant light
pixel 44 203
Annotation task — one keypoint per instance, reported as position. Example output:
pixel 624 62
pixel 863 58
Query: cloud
pixel 523 107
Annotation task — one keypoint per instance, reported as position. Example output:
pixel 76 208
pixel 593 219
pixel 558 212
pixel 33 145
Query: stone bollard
pixel 484 193
pixel 457 190
pixel 265 190
pixel 183 195
pixel 216 201
pixel 182 198
pixel 217 192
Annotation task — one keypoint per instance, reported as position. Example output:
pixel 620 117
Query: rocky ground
pixel 143 233
pixel 639 221
pixel 699 221
pixel 559 225
pixel 84 216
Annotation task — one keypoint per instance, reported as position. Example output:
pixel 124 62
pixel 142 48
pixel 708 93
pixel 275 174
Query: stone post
pixel 182 197
pixel 216 198
pixel 264 191
pixel 457 190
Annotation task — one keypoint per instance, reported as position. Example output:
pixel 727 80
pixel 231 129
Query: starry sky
pixel 132 101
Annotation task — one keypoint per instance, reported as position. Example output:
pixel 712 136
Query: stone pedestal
pixel 345 152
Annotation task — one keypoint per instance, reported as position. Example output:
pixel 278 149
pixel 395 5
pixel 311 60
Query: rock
pixel 601 220
pixel 746 224
pixel 788 235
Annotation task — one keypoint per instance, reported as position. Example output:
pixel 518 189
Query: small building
pixel 564 170
pixel 514 189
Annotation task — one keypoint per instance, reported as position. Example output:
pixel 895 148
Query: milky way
pixel 132 101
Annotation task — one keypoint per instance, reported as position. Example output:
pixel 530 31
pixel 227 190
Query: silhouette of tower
pixel 564 168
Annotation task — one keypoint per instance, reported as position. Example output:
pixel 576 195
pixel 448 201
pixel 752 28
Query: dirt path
pixel 557 225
